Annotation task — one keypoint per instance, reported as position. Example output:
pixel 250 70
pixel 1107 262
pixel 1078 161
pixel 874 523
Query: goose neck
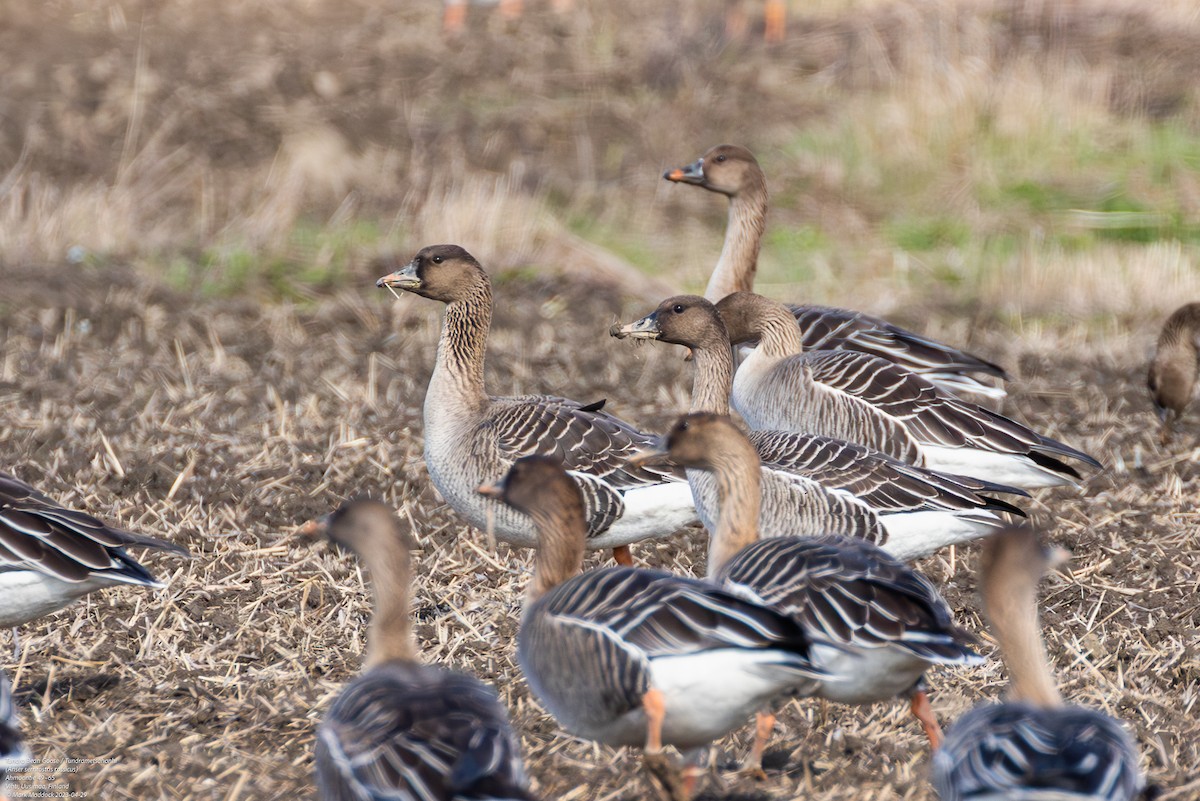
pixel 390 637
pixel 458 372
pixel 739 494
pixel 561 532
pixel 779 336
pixel 738 263
pixel 713 379
pixel 1011 606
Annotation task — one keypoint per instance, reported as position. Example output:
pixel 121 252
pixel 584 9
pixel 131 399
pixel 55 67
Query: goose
pixel 879 404
pixel 733 171
pixel 814 485
pixel 1033 747
pixel 1172 376
pixel 14 754
pixel 471 437
pixel 890 621
pixel 51 556
pixel 404 730
pixel 638 657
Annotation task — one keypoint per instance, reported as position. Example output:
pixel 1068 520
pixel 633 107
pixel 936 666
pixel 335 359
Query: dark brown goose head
pixel 682 320
pixel 730 170
pixel 439 272
pixel 539 487
pixel 372 531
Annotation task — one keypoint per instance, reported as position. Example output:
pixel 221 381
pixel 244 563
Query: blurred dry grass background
pixel 189 196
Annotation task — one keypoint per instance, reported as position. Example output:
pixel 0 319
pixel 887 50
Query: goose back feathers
pixel 402 729
pixel 733 171
pixel 471 437
pixel 876 403
pixel 51 555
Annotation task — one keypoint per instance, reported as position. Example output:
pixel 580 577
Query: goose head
pixel 746 315
pixel 702 440
pixel 727 169
pixel 438 272
pixel 681 320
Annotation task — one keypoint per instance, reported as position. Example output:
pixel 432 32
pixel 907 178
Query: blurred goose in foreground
pixel 51 556
pixel 471 437
pixel 1031 748
pixel 889 621
pixel 814 485
pixel 1172 376
pixel 876 403
pixel 14 754
pixel 637 657
pixel 403 730
pixel 734 172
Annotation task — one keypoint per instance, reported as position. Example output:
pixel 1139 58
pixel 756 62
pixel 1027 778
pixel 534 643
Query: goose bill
pixel 645 328
pixel 491 489
pixel 405 278
pixel 691 174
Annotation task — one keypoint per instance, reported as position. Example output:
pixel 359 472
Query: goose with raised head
pixel 879 404
pixel 1032 747
pixel 471 437
pixel 815 485
pixel 733 171
pixel 637 657
pixel 51 556
pixel 404 730
pixel 888 621
pixel 1172 376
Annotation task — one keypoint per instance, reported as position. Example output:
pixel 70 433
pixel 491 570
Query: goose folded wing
pixel 583 438
pixel 851 592
pixel 884 483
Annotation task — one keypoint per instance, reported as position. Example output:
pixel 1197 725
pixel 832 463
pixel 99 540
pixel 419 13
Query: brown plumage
pixel 1172 376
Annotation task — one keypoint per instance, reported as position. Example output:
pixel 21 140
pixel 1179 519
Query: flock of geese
pixel 856 453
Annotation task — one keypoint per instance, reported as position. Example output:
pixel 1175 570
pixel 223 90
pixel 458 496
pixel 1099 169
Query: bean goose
pixel 814 485
pixel 14 754
pixel 879 404
pixel 51 556
pixel 1031 748
pixel 734 172
pixel 1172 376
pixel 403 730
pixel 889 621
pixel 471 437
pixel 629 656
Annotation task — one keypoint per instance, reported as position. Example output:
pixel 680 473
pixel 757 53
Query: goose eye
pixel 721 158
pixel 437 259
pixel 678 309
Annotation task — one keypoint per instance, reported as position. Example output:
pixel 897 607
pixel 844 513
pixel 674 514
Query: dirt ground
pixel 221 425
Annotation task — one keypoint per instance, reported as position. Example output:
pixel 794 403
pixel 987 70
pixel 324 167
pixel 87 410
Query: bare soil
pixel 223 424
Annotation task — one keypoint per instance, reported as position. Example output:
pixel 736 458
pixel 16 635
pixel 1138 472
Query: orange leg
pixel 764 722
pixel 656 712
pixel 454 18
pixel 622 556
pixel 923 712
pixel 775 18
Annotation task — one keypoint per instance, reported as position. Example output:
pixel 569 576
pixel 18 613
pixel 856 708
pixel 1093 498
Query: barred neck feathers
pixel 749 317
pixel 738 264
pixel 458 375
pixel 713 381
pixel 1012 565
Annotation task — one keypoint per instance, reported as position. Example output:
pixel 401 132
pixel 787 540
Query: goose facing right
pixel 638 657
pixel 732 171
pixel 403 730
pixel 1172 375
pixel 1032 747
pixel 472 437
pixel 889 622
pixel 876 403
pixel 815 485
pixel 51 556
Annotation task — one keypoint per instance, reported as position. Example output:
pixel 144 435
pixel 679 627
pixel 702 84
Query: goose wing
pixel 413 731
pixel 583 437
pixel 885 484
pixel 36 533
pixel 849 592
pixel 931 415
pixel 1015 750
pixel 824 328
